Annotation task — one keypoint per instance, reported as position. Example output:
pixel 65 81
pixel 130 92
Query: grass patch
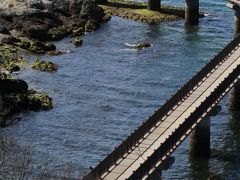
pixel 145 12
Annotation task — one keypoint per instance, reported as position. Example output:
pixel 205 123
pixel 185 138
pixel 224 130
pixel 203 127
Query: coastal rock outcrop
pixel 15 97
pixel 39 19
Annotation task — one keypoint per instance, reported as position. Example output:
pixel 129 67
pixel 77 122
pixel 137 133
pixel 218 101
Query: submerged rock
pixel 77 42
pixel 44 66
pixel 142 45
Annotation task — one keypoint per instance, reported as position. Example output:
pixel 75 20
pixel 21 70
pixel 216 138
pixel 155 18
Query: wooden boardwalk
pixel 145 150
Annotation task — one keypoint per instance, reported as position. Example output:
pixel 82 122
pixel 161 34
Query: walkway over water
pixel 155 140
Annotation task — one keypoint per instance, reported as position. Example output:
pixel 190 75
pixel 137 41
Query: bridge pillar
pixel 234 97
pixel 200 139
pixel 237 21
pixel 191 12
pixel 154 5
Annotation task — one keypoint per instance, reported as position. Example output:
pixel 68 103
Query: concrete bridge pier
pixel 234 97
pixel 191 12
pixel 237 21
pixel 200 139
pixel 154 5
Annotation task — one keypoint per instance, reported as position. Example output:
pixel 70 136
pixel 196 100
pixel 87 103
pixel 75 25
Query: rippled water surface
pixel 105 89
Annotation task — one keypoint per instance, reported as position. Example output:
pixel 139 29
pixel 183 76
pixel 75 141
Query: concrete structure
pixel 234 97
pixel 192 12
pixel 154 5
pixel 150 145
pixel 200 139
pixel 235 5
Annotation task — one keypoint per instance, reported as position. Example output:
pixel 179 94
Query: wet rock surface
pixel 48 20
pixel 44 66
pixel 15 97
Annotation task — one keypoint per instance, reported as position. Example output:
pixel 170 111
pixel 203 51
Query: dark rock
pixel 24 44
pixel 50 47
pixel 75 6
pixel 38 47
pixel 38 32
pixel 9 86
pixel 11 67
pixel 91 25
pixel 10 40
pixel 55 53
pixel 4 30
pixel 59 6
pixel 90 10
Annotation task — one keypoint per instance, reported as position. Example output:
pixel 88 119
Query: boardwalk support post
pixel 154 5
pixel 200 139
pixel 191 12
pixel 237 21
pixel 235 5
pixel 234 97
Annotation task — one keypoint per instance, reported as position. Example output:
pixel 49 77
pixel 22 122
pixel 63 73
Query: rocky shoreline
pixel 31 26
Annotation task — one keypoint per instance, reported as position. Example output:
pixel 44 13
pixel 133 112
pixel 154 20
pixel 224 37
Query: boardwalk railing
pixel 178 97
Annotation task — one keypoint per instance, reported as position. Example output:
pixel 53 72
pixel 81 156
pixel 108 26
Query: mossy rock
pixel 91 25
pixel 11 67
pixel 37 47
pixel 78 32
pixel 4 76
pixel 57 33
pixel 142 45
pixel 10 40
pixel 24 44
pixel 44 66
pixel 106 18
pixel 50 47
pixel 39 101
pixel 77 42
